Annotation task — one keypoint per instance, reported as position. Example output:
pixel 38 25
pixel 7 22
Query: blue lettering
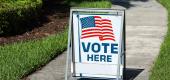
pixel 97 47
pixel 114 48
pixel 102 58
pixel 89 58
pixel 99 58
pixel 105 46
pixel 109 58
pixel 96 57
pixel 86 49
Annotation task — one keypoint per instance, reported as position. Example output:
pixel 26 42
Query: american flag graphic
pixel 95 26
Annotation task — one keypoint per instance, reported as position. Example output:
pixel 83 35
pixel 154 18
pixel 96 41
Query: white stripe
pixel 98 25
pixel 97 28
pixel 99 31
pixel 91 28
pixel 98 19
pixel 91 35
pixel 106 22
pixel 106 25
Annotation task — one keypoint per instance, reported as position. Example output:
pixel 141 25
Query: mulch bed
pixel 54 20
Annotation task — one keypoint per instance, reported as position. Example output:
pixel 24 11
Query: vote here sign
pixel 97 43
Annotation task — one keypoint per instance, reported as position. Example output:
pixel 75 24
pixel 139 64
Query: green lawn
pixel 19 59
pixel 161 69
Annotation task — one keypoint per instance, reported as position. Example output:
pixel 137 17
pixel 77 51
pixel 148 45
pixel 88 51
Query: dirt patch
pixel 53 20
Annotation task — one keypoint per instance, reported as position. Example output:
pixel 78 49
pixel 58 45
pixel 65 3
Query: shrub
pixel 90 3
pixel 96 4
pixel 15 14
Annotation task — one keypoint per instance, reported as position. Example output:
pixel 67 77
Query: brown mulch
pixel 54 20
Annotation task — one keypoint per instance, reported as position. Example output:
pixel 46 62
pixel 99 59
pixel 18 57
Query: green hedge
pixel 15 14
pixel 89 3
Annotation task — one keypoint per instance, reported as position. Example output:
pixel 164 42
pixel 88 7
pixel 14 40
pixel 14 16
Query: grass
pixel 161 69
pixel 19 59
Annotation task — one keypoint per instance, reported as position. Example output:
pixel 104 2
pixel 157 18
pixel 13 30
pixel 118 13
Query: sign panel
pixel 96 43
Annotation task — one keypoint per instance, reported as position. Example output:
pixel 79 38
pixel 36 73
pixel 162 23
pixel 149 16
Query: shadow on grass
pixel 130 74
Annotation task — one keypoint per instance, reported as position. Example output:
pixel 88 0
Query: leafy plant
pixel 14 14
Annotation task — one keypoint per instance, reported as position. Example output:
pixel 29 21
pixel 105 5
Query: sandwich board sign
pixel 96 43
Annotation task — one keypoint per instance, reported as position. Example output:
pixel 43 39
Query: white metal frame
pixel 70 34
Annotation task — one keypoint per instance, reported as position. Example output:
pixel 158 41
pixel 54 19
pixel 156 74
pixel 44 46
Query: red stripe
pixel 97 17
pixel 108 26
pixel 88 30
pixel 106 20
pixel 97 33
pixel 98 20
pixel 90 36
pixel 104 26
pixel 107 33
pixel 101 28
pixel 91 30
pixel 106 23
pixel 92 33
pixel 107 39
pixel 108 36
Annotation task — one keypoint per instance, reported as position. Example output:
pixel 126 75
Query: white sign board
pixel 96 43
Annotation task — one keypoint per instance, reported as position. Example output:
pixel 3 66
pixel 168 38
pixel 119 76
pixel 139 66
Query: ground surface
pixel 54 19
pixel 145 30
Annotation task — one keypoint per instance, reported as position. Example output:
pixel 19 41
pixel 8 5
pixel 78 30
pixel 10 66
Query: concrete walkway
pixel 145 30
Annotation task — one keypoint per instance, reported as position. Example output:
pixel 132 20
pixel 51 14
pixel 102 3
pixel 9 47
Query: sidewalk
pixel 145 30
pixel 146 22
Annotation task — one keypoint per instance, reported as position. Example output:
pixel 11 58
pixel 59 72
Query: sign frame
pixel 70 47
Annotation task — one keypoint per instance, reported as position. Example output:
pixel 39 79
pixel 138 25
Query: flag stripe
pixel 90 36
pixel 104 26
pixel 108 39
pixel 97 30
pixel 106 20
pixel 98 33
pixel 97 17
pixel 102 29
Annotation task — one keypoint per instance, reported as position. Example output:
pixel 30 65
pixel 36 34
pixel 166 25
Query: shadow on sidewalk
pixel 126 3
pixel 130 74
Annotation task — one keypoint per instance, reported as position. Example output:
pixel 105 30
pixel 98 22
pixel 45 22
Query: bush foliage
pixel 14 14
